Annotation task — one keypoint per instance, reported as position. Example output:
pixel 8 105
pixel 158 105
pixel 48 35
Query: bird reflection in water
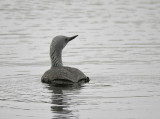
pixel 62 101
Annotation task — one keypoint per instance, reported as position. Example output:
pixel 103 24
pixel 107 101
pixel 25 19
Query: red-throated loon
pixel 59 74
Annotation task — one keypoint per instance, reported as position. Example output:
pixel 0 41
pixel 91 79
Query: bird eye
pixel 66 39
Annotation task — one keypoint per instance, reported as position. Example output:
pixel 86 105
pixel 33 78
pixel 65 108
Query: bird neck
pixel 56 57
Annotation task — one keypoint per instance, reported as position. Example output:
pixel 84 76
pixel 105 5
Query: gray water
pixel 118 47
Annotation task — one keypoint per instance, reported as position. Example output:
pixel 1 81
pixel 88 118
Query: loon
pixel 59 74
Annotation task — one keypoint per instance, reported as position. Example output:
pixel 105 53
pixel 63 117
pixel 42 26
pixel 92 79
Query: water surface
pixel 118 47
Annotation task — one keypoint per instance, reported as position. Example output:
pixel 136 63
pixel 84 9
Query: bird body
pixel 59 74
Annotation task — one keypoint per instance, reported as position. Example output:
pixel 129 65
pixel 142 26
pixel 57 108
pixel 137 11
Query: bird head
pixel 59 42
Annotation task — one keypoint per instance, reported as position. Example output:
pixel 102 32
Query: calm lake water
pixel 118 47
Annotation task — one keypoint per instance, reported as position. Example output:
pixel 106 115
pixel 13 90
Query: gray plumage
pixel 59 74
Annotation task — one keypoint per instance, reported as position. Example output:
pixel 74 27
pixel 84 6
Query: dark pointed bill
pixel 71 38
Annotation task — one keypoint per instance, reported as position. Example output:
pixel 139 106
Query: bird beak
pixel 71 38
